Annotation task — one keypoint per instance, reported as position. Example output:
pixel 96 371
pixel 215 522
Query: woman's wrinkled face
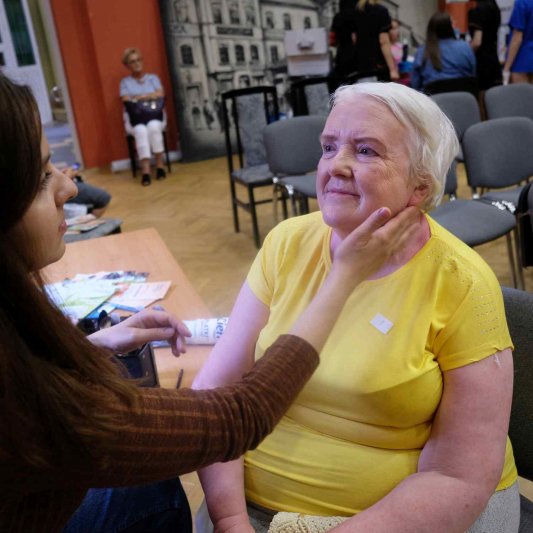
pixel 135 63
pixel 43 225
pixel 365 164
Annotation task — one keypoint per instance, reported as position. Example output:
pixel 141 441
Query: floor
pixel 191 211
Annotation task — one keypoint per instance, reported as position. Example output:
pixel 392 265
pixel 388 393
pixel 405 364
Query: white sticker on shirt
pixel 382 323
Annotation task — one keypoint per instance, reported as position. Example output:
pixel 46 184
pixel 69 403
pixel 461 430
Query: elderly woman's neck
pixel 398 260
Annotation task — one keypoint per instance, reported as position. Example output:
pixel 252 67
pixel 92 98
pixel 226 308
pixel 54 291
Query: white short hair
pixel 432 143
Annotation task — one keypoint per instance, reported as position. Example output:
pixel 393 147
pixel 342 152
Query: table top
pixel 143 251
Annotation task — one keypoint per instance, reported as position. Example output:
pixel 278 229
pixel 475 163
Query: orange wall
pixel 92 35
pixel 459 12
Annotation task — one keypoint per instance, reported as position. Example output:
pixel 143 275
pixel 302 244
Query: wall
pixel 416 13
pixel 92 35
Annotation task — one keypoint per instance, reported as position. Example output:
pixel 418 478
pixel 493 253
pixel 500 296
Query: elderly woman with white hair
pixel 143 88
pixel 404 425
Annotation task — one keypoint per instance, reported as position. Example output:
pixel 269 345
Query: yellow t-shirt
pixel 358 427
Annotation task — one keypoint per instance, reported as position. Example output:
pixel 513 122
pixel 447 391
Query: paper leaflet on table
pixel 85 294
pixel 141 294
pixel 78 299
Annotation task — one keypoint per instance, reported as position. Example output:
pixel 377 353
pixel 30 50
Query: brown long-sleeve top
pixel 169 432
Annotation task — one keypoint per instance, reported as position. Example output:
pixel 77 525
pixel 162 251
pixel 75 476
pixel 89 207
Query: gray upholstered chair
pixel 463 111
pixel 475 222
pixel 519 310
pixel 515 100
pixel 293 151
pixel 498 155
pixel 246 114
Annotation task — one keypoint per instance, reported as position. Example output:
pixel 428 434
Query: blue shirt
pixel 457 58
pixel 149 83
pixel 522 20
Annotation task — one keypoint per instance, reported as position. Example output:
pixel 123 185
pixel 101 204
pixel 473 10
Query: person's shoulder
pixel 297 230
pixel 463 266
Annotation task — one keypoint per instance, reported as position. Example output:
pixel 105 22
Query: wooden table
pixel 144 251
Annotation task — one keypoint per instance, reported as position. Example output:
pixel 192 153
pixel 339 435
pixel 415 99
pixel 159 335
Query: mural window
pixel 19 32
pixel 274 55
pixel 307 23
pixel 254 53
pixel 249 11
pixel 216 10
pixel 239 53
pixel 259 80
pixel 244 81
pixel 269 20
pixel 186 55
pixel 223 54
pixel 287 21
pixel 234 15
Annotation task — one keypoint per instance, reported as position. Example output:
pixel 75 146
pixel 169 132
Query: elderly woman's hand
pixel 376 240
pixel 147 326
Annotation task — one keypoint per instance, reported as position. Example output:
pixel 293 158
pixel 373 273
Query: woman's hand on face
pixel 146 326
pixel 364 251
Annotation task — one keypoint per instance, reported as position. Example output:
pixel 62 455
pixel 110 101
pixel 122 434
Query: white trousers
pixel 148 138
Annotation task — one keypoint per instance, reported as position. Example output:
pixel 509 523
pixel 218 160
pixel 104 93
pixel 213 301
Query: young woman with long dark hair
pixel 443 56
pixel 69 421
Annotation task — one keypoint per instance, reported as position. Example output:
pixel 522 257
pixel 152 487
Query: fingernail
pixel 382 211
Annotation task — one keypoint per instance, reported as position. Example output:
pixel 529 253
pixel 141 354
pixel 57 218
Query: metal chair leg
pixel 512 262
pixel 519 269
pixel 234 206
pixel 253 212
pixel 167 154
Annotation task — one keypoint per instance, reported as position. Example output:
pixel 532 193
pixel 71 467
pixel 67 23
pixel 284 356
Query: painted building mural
pixel 218 45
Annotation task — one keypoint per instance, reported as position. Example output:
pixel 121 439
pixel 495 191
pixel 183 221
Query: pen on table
pixel 180 378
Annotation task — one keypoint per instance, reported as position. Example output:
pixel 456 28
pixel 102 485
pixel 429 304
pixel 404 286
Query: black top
pixel 487 18
pixel 370 22
pixel 344 27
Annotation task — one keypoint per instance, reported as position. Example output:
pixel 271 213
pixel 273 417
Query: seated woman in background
pixel 403 427
pixel 70 421
pixel 140 86
pixel 443 56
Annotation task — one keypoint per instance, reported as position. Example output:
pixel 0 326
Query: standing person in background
pixel 396 45
pixel 443 56
pixel 373 23
pixel 137 87
pixel 519 64
pixel 344 29
pixel 483 23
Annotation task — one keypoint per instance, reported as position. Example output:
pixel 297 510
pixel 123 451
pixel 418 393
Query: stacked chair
pixel 293 151
pixel 246 113
pixel 519 309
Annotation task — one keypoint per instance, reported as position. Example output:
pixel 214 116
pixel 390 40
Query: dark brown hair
pixel 55 385
pixel 439 27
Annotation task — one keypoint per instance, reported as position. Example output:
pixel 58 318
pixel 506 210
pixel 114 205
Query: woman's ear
pixel 419 195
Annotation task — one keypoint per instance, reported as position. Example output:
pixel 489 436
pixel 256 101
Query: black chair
pixel 524 215
pixel 246 113
pixel 475 222
pixel 519 309
pixel 450 85
pixel 515 100
pixel 293 151
pixel 132 151
pixel 310 96
pixel 463 111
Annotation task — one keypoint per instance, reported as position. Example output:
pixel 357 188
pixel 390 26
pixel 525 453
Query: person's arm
pixel 460 465
pixel 514 46
pixel 384 43
pixel 223 483
pixel 477 39
pixel 146 326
